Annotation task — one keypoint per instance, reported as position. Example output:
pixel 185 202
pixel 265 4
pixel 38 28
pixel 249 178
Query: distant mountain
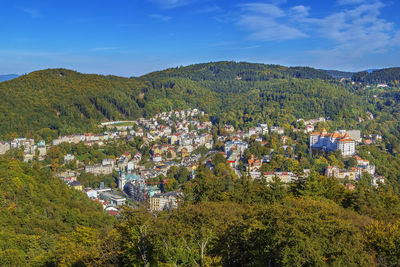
pixel 229 70
pixel 378 76
pixel 338 74
pixel 371 70
pixel 7 77
pixel 69 102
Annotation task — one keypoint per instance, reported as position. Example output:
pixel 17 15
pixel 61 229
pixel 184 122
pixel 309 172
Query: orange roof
pixel 346 140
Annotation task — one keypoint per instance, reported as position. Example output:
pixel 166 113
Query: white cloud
pixel 359 30
pixel 168 4
pixel 267 29
pixel 354 35
pixel 350 33
pixel 350 2
pixel 267 22
pixel 263 8
pixel 299 11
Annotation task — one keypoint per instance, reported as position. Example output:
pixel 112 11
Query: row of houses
pixel 29 147
pixel 355 173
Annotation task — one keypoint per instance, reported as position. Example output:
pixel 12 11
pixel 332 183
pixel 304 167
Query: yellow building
pixel 76 185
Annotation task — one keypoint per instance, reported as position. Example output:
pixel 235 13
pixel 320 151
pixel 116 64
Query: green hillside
pixel 36 210
pixel 66 100
pixel 229 70
pixel 378 76
pixel 70 102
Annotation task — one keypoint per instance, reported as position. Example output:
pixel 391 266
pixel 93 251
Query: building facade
pixel 332 142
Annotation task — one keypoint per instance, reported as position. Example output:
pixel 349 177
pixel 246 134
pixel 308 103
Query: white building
pixel 68 158
pixel 165 201
pixel 98 169
pixel 347 147
pixel 4 147
pixel 108 161
pixel 277 130
pixel 91 193
pixel 377 180
pixel 332 142
pixel 238 145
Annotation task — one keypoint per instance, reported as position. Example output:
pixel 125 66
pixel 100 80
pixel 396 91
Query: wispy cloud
pixel 350 2
pixel 168 4
pixel 351 32
pixel 160 17
pixel 34 13
pixel 268 22
pixel 356 32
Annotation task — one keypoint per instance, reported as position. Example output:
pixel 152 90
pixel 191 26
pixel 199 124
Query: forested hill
pixel 36 211
pixel 66 100
pixel 239 93
pixel 378 76
pixel 229 70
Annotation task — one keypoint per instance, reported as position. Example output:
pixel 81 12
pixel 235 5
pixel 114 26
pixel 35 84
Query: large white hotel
pixel 333 141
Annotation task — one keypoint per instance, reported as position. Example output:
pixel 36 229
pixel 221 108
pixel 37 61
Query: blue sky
pixel 132 37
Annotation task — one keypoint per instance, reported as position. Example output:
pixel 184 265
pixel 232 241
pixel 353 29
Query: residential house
pixel 228 128
pixel 4 147
pixel 277 130
pixel 234 158
pixel 98 169
pixel 253 164
pixel 285 177
pixel 165 201
pixel 76 185
pixel 68 158
pixel 264 128
pixel 237 145
pixel 157 157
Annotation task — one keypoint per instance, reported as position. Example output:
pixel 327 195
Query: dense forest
pixel 224 221
pixel 38 211
pixel 240 93
pixel 388 75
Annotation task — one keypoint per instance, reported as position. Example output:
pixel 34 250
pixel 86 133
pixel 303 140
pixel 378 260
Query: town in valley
pixel 178 142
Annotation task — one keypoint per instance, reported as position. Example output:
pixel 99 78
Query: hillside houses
pixel 236 145
pixel 106 167
pixel 354 173
pixel 27 145
pixel 184 140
